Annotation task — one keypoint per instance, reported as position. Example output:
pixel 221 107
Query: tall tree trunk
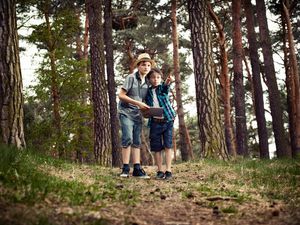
pixel 185 143
pixel 289 83
pixel 102 129
pixel 294 78
pixel 212 140
pixel 225 85
pixel 11 96
pixel 257 86
pixel 81 149
pixel 115 139
pixel 51 48
pixel 282 147
pixel 239 91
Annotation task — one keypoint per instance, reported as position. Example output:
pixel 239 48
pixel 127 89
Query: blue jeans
pixel 131 132
pixel 161 135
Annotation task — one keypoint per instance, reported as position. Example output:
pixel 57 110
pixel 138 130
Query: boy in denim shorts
pixel 161 128
pixel 132 94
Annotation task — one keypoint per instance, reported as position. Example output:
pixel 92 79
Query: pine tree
pixel 257 86
pixel 185 143
pixel 115 139
pixel 212 140
pixel 11 93
pixel 282 147
pixel 239 92
pixel 102 129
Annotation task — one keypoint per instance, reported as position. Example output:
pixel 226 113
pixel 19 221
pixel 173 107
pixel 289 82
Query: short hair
pixel 154 70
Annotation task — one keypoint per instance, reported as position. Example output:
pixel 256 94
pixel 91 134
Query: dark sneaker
pixel 125 173
pixel 160 175
pixel 168 175
pixel 140 173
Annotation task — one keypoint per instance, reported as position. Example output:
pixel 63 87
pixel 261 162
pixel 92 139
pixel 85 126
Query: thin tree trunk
pixel 81 151
pixel 239 92
pixel 257 86
pixel 294 78
pixel 185 143
pixel 102 129
pixel 211 134
pixel 225 85
pixel 115 139
pixel 282 147
pixel 54 85
pixel 11 96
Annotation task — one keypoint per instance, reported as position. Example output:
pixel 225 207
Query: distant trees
pixel 74 105
pixel 11 88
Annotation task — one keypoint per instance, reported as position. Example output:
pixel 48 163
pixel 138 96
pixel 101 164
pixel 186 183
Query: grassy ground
pixel 41 190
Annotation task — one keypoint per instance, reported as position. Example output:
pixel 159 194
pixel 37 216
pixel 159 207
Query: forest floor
pixel 203 192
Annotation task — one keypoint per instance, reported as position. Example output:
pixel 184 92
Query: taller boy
pixel 131 95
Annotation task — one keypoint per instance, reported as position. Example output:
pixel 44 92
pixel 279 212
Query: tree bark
pixel 282 146
pixel 257 86
pixel 185 143
pixel 212 140
pixel 239 91
pixel 294 84
pixel 225 85
pixel 11 93
pixel 102 129
pixel 115 139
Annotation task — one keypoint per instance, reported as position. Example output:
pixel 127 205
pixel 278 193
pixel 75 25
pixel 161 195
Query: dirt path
pixel 196 195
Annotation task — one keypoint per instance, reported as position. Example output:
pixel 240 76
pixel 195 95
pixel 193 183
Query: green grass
pixel 25 183
pixel 277 179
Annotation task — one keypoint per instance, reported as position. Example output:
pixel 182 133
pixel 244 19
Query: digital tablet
pixel 153 111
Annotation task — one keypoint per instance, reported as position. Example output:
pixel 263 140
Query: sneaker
pixel 168 175
pixel 160 175
pixel 125 173
pixel 140 173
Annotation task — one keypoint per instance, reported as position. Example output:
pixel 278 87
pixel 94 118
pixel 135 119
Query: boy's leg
pixel 168 153
pixel 127 127
pixel 158 160
pixel 136 152
pixel 125 158
pixel 126 155
pixel 168 146
pixel 136 155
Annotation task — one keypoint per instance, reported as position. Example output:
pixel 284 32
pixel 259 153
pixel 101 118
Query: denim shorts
pixel 131 132
pixel 161 135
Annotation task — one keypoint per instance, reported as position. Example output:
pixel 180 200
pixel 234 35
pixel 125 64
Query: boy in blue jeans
pixel 132 95
pixel 161 128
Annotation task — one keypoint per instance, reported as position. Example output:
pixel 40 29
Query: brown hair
pixel 154 70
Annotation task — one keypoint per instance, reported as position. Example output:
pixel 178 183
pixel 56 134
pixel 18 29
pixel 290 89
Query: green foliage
pixel 59 37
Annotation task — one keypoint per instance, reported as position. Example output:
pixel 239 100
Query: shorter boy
pixel 161 128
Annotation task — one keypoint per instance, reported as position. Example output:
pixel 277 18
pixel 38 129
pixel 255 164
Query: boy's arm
pixel 166 84
pixel 123 97
pixel 169 80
